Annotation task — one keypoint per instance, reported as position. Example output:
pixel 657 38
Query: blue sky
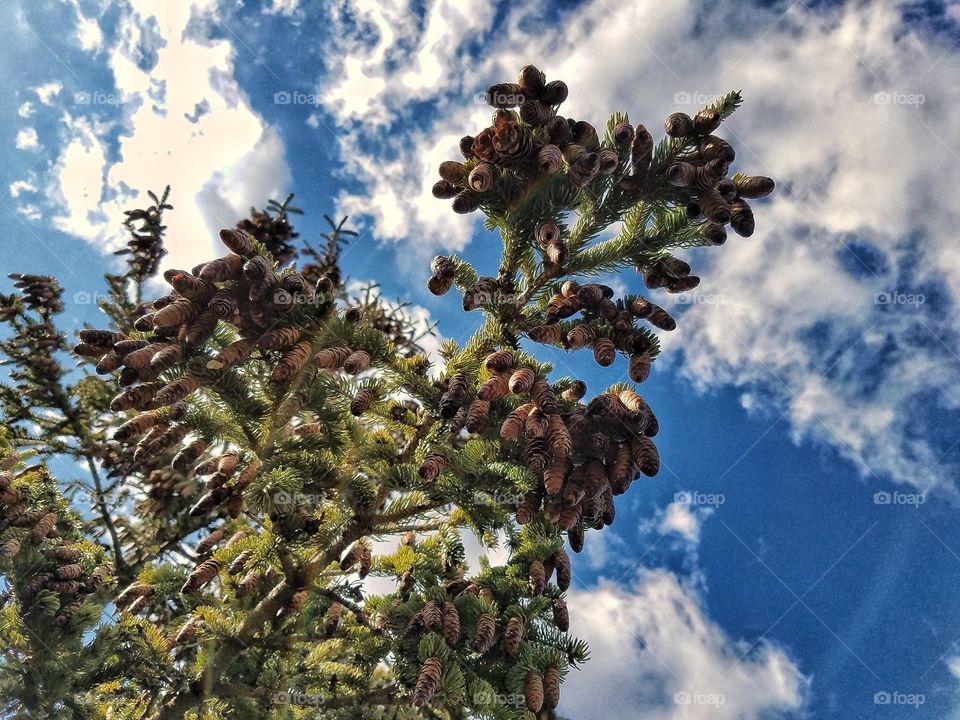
pixel 815 367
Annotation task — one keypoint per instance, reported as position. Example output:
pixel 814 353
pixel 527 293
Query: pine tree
pixel 259 442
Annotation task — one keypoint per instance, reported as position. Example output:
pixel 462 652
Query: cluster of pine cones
pixel 531 141
pixel 274 232
pixel 604 325
pixel 60 571
pixel 699 171
pixel 584 455
pixel 145 246
pixel 37 292
pixel 489 632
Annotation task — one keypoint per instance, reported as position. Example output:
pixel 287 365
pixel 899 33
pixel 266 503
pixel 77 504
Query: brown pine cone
pixel 533 691
pixel 536 577
pixel 512 636
pixel 639 367
pixel 561 616
pixel 522 380
pixel 485 633
pixel 451 624
pixel 528 508
pixel 236 567
pixel 432 617
pixel 561 562
pixel 428 681
pixel 205 572
pixel 499 361
pixel 362 401
pixel 477 416
pixel 432 466
pixel 575 392
pixel 551 688
pixel 358 361
pixel 514 423
pixel 546 334
pixel 331 619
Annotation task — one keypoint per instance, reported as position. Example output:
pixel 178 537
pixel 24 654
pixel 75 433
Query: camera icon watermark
pixel 883 497
pixel 294 97
pixel 488 698
pixel 697 299
pixel 694 497
pixel 897 297
pixel 281 697
pixel 899 98
pixel 85 297
pixel 98 97
pixel 499 99
pixel 699 698
pixel 284 499
pixel 894 697
pixel 695 97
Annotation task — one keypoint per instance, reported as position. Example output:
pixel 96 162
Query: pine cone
pixel 561 616
pixel 432 617
pixel 514 423
pixel 533 691
pixel 358 361
pixel 499 361
pixel 551 688
pixel 451 624
pixel 236 567
pixel 537 577
pixel 512 636
pixel 362 401
pixel 331 620
pixel 432 466
pixel 485 633
pixel 561 562
pixel 428 681
pixel 205 572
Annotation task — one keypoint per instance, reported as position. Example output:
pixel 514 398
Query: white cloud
pixel 30 211
pixel 218 163
pixel 89 34
pixel 655 654
pixel 283 7
pixel 953 665
pixel 683 519
pixel 48 91
pixel 21 186
pixel 797 324
pixel 26 109
pixel 27 139
pixel 78 181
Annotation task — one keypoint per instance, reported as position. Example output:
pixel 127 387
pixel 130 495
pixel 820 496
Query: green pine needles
pixel 271 482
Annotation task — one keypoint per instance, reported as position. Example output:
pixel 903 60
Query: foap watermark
pixel 698 698
pixel 688 298
pixel 486 698
pixel 282 498
pixel 294 97
pixel 85 297
pixel 899 498
pixel 895 697
pixel 899 98
pixel 693 497
pixel 281 697
pixel 897 297
pixel 99 97
pixel 499 99
pixel 285 298
pixel 695 97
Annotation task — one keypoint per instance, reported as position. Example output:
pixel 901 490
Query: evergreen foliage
pixel 264 441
